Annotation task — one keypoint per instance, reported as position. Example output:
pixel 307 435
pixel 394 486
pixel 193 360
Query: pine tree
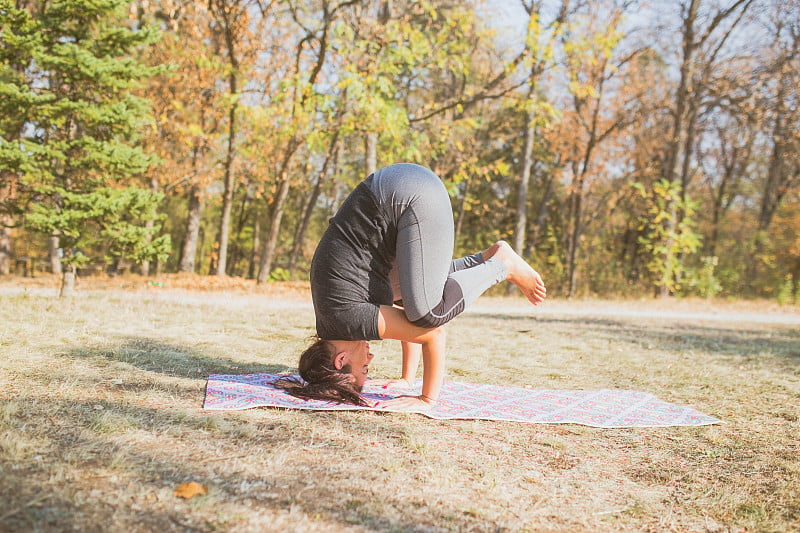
pixel 71 144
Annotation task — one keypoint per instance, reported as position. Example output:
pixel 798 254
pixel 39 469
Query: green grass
pixel 101 419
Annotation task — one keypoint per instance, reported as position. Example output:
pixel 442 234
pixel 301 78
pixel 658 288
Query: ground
pixel 101 418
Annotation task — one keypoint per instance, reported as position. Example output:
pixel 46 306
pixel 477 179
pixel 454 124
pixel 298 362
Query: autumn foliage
pixel 624 149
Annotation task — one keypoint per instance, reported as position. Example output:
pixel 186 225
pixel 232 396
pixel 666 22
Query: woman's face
pixel 357 355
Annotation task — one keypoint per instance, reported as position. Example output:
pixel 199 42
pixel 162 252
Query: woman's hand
pixel 408 403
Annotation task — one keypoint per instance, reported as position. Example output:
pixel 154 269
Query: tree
pixel 701 46
pixel 109 219
pixel 539 56
pixel 660 245
pixel 189 113
pixel 79 147
pixel 19 40
pixel 232 28
pixel 781 101
pixel 302 105
pixel 725 157
pixel 595 65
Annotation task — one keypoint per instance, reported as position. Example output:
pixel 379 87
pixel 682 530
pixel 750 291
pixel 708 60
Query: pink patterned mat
pixel 605 408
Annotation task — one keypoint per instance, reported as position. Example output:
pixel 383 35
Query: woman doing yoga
pixel 384 270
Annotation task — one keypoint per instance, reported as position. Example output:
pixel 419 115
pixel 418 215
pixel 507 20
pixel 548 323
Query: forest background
pixel 624 148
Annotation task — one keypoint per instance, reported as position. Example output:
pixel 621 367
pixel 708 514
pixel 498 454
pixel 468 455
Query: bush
pixel 702 281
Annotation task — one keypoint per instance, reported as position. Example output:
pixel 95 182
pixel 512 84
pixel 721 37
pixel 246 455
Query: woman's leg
pixel 435 289
pixel 519 271
pixel 412 354
pixel 469 261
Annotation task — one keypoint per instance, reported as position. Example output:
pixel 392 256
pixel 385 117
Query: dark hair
pixel 321 379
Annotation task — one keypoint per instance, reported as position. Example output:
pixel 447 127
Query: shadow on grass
pixel 676 337
pixel 173 360
pixel 101 481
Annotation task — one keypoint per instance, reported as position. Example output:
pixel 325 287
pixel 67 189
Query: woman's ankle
pixel 492 250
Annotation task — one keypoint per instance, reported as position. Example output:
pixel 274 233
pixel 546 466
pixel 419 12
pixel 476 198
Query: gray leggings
pixel 432 286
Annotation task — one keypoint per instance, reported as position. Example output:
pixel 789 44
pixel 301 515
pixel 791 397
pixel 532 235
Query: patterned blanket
pixel 605 408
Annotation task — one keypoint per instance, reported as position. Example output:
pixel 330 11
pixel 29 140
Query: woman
pixel 384 270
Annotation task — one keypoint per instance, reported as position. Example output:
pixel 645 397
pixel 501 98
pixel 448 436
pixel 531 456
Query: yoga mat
pixel 604 408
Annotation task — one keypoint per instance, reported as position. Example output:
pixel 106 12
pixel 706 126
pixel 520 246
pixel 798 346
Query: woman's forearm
pixel 393 324
pixel 433 366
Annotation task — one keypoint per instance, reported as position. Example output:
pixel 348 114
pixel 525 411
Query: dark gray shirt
pixel 350 268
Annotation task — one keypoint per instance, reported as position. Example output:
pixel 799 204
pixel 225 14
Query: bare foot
pixel 520 273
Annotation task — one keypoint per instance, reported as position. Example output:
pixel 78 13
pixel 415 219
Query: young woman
pixel 384 270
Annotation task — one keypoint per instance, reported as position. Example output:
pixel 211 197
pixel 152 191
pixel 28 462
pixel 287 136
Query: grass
pixel 101 419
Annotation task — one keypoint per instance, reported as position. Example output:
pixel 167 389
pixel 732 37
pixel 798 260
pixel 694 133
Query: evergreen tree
pixel 69 141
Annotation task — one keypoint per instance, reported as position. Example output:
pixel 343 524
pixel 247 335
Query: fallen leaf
pixel 190 490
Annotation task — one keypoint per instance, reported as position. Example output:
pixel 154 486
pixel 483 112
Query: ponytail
pixel 321 380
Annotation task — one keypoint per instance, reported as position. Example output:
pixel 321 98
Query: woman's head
pixel 332 370
pixel 353 357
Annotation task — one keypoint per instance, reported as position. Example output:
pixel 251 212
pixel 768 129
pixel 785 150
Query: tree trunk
pixel 190 239
pixel 230 184
pixel 678 139
pixel 774 186
pixel 631 250
pixel 251 267
pixel 308 211
pixel 687 158
pixel 68 282
pixel 271 243
pixel 226 14
pixel 718 197
pixel 580 172
pixel 149 225
pixel 54 254
pixel 371 153
pixel 685 179
pixel 711 249
pixel 462 209
pixel 541 217
pixel 6 197
pixel 337 187
pixel 576 208
pixel 682 128
pixel 145 266
pixel 522 189
pixel 5 246
pixel 237 253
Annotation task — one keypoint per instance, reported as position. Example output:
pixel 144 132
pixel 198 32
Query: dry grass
pixel 101 419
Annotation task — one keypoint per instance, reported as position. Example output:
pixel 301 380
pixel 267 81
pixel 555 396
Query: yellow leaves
pixel 582 90
pixel 190 490
pixel 344 82
pixel 534 29
pixel 503 168
pixel 195 130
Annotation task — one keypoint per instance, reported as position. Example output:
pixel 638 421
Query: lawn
pixel 101 419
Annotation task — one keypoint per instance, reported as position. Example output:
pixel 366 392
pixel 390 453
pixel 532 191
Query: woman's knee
pixel 451 305
pixel 436 335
